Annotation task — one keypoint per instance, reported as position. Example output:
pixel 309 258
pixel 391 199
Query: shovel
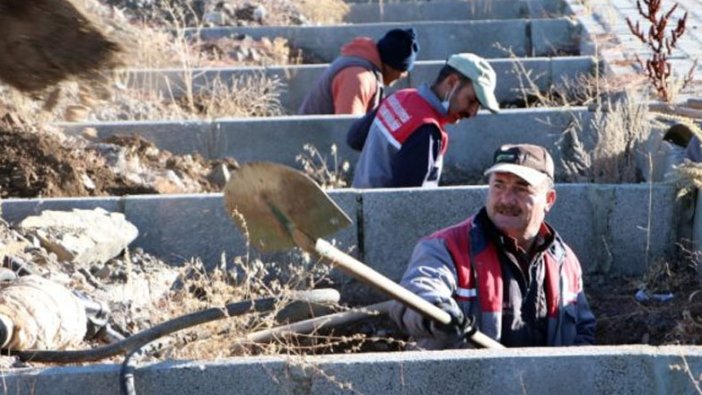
pixel 278 208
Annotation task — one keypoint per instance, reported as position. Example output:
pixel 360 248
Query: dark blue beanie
pixel 398 48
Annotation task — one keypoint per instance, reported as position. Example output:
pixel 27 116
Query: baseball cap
pixel 483 77
pixel 532 163
pixel 398 48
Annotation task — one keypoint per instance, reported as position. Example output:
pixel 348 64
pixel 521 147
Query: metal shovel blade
pixel 268 201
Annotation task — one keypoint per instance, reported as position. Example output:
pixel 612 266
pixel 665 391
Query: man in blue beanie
pixel 354 82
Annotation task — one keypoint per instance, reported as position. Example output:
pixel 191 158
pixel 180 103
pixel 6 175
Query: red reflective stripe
pixel 489 271
pixel 552 287
pixel 457 243
pixel 405 111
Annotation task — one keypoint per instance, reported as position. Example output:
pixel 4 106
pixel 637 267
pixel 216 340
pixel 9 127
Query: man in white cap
pixel 504 267
pixel 403 143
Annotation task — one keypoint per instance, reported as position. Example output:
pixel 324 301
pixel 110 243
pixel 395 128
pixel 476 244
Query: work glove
pixel 458 330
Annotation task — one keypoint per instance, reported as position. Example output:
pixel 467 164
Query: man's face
pixel 391 75
pixel 517 208
pixel 464 102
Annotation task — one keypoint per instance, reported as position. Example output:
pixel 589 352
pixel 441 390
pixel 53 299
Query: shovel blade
pixel 267 201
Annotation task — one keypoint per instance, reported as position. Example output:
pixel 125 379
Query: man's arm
pixel 584 318
pixel 418 153
pixel 353 89
pixel 431 274
pixel 358 132
pixel 585 322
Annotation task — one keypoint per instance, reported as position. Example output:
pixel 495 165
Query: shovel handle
pixel 366 274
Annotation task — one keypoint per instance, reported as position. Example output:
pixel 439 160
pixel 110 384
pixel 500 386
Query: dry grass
pixel 243 280
pixel 323 11
pixel 621 128
pixel 329 173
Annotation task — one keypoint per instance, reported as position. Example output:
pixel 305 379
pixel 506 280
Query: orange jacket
pixel 354 88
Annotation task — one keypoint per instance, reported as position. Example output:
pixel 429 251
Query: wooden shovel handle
pixel 369 276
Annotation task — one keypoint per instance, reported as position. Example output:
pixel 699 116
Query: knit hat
pixel 481 74
pixel 398 48
pixel 532 163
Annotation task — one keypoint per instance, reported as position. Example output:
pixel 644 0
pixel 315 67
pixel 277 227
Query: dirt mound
pixel 45 41
pixel 42 164
pixel 33 164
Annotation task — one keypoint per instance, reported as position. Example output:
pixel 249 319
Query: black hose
pixel 144 337
pixel 126 374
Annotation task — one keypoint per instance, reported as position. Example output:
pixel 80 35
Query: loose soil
pixel 43 164
pixel 45 41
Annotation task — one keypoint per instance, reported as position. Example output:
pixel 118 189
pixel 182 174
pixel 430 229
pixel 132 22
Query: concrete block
pixel 253 139
pixel 394 220
pixel 570 69
pixel 606 225
pixel 638 246
pixel 430 11
pixel 473 141
pixel 600 370
pixel 177 228
pixel 179 137
pixel 555 37
pixel 324 42
pixel 15 210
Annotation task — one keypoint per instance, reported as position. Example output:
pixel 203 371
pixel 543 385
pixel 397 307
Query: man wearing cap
pixel 354 82
pixel 403 143
pixel 503 267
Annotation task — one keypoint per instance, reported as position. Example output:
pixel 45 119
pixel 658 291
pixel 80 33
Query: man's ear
pixel 550 198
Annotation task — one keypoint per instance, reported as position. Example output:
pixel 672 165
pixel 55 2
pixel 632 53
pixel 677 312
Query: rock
pixel 87 182
pixel 89 133
pixel 82 237
pixel 76 113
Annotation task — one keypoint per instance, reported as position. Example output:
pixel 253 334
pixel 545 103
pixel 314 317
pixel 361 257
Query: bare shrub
pixel 657 67
pixel 328 173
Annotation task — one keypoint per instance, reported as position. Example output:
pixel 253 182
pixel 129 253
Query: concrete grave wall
pixel 388 11
pixel 295 81
pixel 472 141
pixel 606 225
pixel 538 37
pixel 640 370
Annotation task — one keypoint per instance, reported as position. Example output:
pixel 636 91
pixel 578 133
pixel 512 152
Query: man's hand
pixel 454 331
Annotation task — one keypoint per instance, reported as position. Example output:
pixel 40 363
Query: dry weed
pixel 323 11
pixel 620 130
pixel 329 174
pixel 198 289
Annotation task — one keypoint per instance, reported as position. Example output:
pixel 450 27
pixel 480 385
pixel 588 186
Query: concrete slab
pixel 249 140
pixel 324 42
pixel 15 210
pixel 430 11
pixel 600 370
pixel 179 227
pixel 473 141
pixel 296 80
